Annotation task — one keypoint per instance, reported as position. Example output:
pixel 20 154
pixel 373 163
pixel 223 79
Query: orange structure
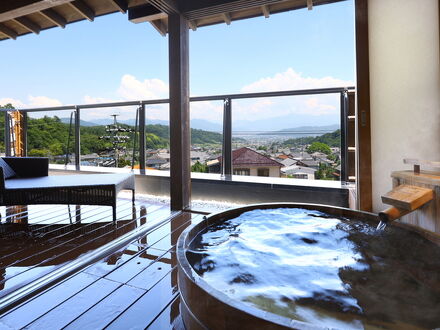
pixel 17 138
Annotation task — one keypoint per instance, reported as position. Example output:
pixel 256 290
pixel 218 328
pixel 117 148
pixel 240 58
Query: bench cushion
pixel 8 172
pixel 60 181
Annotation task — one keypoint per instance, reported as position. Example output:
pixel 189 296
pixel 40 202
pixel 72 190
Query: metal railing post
pixel 227 138
pixel 77 138
pixel 142 136
pixel 7 135
pixel 344 149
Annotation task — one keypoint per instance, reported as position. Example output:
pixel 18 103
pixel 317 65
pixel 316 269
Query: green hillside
pixel 49 135
pixel 332 139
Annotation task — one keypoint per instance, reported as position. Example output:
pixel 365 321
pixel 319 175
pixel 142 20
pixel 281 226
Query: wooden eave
pixel 21 17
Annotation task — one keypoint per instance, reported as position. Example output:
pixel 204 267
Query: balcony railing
pixel 227 168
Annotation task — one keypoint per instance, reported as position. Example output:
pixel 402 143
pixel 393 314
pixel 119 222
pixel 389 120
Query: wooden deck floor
pixel 134 287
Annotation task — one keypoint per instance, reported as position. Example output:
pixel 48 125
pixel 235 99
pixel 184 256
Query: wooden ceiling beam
pixel 200 9
pixel 266 11
pixel 8 32
pixel 18 8
pixel 121 5
pixel 54 17
pixel 145 13
pixel 227 18
pixel 83 9
pixel 28 24
pixel 167 6
pixel 193 25
pixel 160 26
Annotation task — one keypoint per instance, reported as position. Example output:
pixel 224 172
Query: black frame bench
pixel 33 185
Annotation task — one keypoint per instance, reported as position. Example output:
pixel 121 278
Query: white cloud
pixel 208 110
pixel 32 102
pixel 43 101
pixel 149 89
pixel 292 80
pixel 91 100
pixel 16 103
pixel 132 88
pixel 313 105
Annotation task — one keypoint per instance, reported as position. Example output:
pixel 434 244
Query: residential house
pixel 299 172
pixel 246 161
pixel 289 162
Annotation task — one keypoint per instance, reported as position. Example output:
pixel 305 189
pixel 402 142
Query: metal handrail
pixel 227 121
pixel 219 97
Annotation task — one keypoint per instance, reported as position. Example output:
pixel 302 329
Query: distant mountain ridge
pixel 206 125
pixel 326 128
pixel 195 123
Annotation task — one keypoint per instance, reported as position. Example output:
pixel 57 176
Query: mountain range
pixel 271 124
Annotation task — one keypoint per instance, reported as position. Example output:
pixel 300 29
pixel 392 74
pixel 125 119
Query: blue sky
pixel 113 59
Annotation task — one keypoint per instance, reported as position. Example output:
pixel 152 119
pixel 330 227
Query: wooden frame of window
pixel 242 171
pixel 263 172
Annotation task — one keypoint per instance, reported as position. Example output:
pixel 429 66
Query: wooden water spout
pixel 415 189
pixel 404 199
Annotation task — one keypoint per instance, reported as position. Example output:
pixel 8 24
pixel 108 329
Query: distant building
pixel 301 155
pixel 289 162
pixel 155 162
pixel 246 161
pixel 316 155
pixel 299 172
pixel 309 163
pixel 282 157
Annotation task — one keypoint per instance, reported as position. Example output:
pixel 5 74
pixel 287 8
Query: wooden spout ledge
pixel 404 199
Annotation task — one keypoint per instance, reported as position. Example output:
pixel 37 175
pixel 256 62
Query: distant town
pixel 310 153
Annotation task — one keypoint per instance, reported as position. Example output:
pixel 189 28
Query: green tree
pixel 324 172
pixel 332 139
pixel 319 147
pixel 199 167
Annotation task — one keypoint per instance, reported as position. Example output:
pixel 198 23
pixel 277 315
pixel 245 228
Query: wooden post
pixel 363 175
pixel 180 143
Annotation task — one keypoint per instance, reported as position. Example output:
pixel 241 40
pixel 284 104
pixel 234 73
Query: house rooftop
pixel 249 157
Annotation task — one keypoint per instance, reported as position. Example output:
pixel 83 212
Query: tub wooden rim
pixel 214 304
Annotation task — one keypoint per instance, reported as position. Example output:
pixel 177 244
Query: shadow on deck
pixel 124 276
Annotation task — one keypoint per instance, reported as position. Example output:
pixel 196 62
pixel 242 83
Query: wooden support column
pixel 364 174
pixel 180 139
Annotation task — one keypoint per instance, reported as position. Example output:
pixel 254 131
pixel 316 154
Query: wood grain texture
pixel 363 175
pixel 180 139
pixel 408 197
pixel 426 217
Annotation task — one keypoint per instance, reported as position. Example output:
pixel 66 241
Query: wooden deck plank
pixel 109 264
pixel 147 278
pixel 144 286
pixel 72 308
pixel 108 309
pixel 146 309
pixel 160 239
pixel 34 308
pixel 58 255
pixel 169 318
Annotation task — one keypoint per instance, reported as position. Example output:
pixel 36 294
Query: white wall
pixel 404 86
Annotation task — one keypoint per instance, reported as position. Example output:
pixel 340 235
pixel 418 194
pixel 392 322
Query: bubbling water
pixel 314 267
